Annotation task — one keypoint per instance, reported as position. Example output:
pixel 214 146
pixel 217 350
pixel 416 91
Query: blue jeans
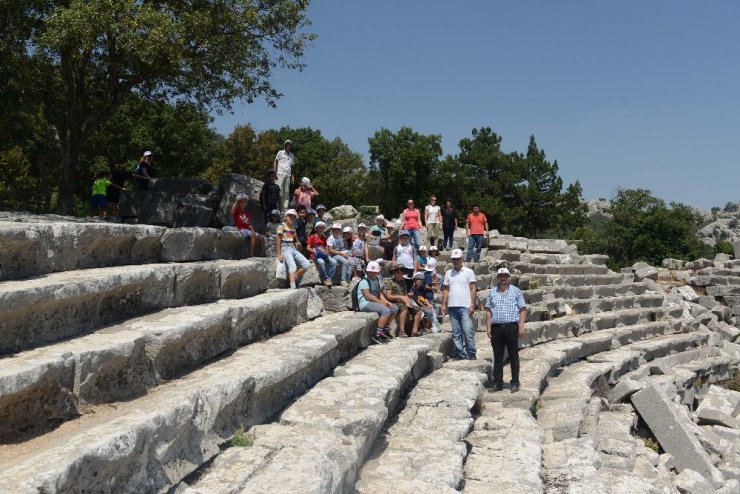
pixel 325 273
pixel 347 266
pixel 474 241
pixel 293 257
pixel 415 238
pixel 462 331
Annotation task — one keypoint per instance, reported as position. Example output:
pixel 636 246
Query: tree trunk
pixel 70 155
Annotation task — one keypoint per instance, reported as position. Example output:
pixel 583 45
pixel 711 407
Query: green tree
pixel 643 228
pixel 246 151
pixel 405 161
pixel 91 56
pixel 18 189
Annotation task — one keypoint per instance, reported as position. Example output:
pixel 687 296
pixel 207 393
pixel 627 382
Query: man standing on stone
pixel 283 165
pixel 506 312
pixel 476 226
pixel 458 300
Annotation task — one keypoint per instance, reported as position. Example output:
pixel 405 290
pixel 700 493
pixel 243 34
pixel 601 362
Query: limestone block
pixel 343 212
pixel 199 244
pixel 705 301
pixel 673 432
pixel 646 273
pixel 232 184
pixel 335 298
pixel 720 407
pixel 625 388
pixel 547 246
pixel 181 185
pixel 688 293
pixel 673 264
pixel 692 482
pixel 737 249
pixel 166 208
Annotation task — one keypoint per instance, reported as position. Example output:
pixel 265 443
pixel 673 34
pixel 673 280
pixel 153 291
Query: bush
pixel 724 247
pixel 18 188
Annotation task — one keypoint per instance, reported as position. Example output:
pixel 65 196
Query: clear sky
pixel 622 94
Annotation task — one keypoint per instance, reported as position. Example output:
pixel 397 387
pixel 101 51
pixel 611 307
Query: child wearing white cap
pixel 287 249
pixel 339 250
pixel 304 193
pixel 359 249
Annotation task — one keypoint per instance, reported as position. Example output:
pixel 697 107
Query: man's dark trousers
pixel 505 336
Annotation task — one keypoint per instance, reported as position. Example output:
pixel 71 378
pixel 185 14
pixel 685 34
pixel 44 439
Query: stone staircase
pixel 134 357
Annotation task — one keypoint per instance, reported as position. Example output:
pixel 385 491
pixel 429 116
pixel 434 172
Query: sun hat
pixel 373 267
pixel 503 271
pixel 336 226
pixel 320 224
pixel 431 265
pixel 456 254
pixel 346 229
pixel 291 212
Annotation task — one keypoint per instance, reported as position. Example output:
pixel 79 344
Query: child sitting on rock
pixel 287 249
pixel 243 223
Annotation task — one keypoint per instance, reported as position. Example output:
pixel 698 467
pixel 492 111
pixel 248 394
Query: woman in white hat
pixel 304 193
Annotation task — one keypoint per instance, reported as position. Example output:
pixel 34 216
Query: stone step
pixel 552 309
pixel 541 361
pixel 32 249
pixel 151 443
pixel 52 384
pixel 320 441
pixel 505 452
pixel 532 281
pixel 423 450
pixel 52 307
pixel 583 292
pixel 713 279
pixel 595 259
pixel 561 269
pixel 564 401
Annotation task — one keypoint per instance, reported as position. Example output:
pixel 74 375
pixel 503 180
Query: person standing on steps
pixel 270 194
pixel 458 300
pixel 506 313
pixel 411 222
pixel 431 219
pixel 449 224
pixel 283 166
pixel 476 226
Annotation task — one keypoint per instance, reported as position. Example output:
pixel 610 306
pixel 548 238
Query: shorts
pixel 379 308
pixel 99 201
pixel 114 195
pixel 249 233
pixel 433 230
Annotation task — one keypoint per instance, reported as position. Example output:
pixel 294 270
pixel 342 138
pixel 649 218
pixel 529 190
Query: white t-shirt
pixel 336 243
pixel 432 214
pixel 284 161
pixel 459 286
pixel 405 255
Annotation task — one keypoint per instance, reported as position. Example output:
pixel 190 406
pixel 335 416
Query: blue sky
pixel 622 94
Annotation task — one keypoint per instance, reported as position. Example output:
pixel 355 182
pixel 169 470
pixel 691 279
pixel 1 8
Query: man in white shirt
pixel 458 300
pixel 431 219
pixel 283 165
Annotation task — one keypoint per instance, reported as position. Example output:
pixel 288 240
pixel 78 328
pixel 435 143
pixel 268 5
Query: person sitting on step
pixel 370 298
pixel 287 249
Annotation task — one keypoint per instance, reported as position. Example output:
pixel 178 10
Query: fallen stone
pixel 673 432
pixel 719 407
pixel 343 212
pixel 692 482
pixel 737 249
pixel 649 273
pixel 732 486
pixel 624 389
pixel 166 208
pixel 687 293
pixel 673 264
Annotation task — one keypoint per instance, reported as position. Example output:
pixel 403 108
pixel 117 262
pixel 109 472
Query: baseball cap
pixel 503 271
pixel 390 225
pixel 336 226
pixel 148 153
pixel 361 225
pixel 242 197
pixel 306 181
pixel 291 212
pixel 310 211
pixel 320 206
pixel 288 141
pixel 346 229
pixel 456 254
pixel 373 267
pixel 274 212
pixel 379 217
pixel 431 265
pixel 320 224
pixel 403 232
pixel 419 276
pixel 423 247
pixel 433 248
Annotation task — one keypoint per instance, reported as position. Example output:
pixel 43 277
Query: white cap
pixel 379 217
pixel 503 271
pixel 456 254
pixel 275 212
pixel 431 264
pixel 336 226
pixel 423 247
pixel 361 225
pixel 390 225
pixel 148 153
pixel 373 267
pixel 419 276
pixel 433 248
pixel 242 197
pixel 320 224
pixel 288 141
pixel 346 229
pixel 291 212
pixel 306 181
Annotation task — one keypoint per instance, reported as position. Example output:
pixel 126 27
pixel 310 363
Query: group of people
pixel 107 187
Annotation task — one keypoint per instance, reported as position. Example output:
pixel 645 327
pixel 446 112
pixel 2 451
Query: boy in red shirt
pixel 476 226
pixel 243 223
pixel 319 254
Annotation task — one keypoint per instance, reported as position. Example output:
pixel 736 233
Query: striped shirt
pixel 505 306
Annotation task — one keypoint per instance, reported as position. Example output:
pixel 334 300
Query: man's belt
pixel 503 324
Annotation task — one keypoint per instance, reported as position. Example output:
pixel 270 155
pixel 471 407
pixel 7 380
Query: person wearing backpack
pixel 370 298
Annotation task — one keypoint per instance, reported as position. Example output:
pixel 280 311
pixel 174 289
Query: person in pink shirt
pixel 411 222
pixel 304 193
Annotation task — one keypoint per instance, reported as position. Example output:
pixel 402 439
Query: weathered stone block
pixel 719 407
pixel 181 185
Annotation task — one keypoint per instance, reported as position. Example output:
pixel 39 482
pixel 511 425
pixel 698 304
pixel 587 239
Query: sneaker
pixel 497 387
pixel 344 283
pixel 514 388
pixel 327 282
pixel 457 357
pixel 375 338
pixel 387 332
